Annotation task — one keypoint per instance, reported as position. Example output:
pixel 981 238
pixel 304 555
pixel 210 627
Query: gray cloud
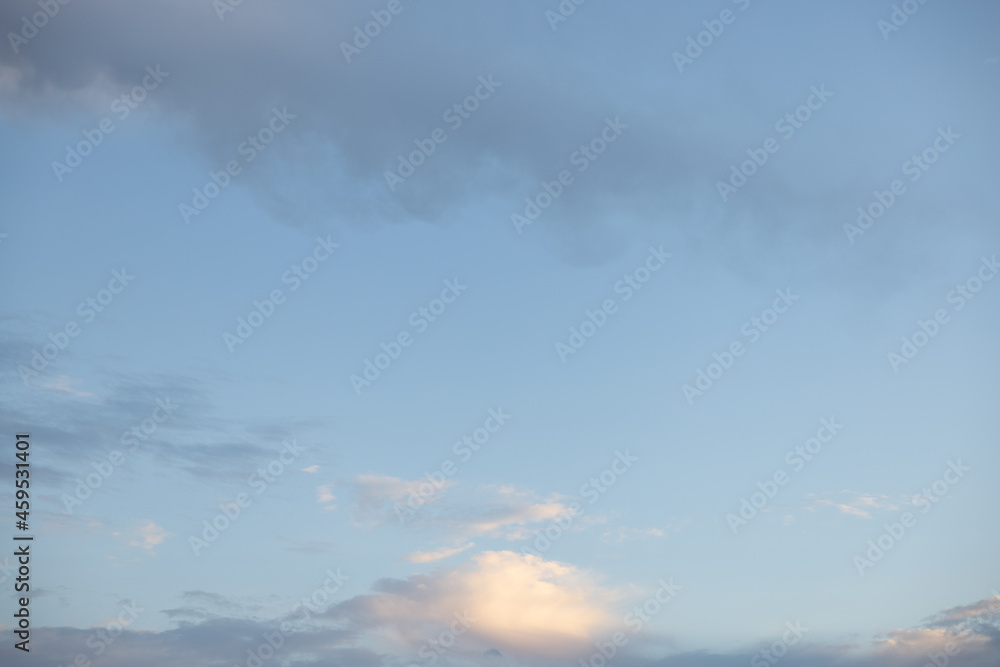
pixel 213 640
pixel 557 89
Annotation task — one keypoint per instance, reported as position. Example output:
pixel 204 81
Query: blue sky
pixel 636 238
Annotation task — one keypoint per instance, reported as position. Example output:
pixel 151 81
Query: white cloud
pixel 147 536
pixel 325 497
pixel 521 605
pixel 440 554
pixel 852 503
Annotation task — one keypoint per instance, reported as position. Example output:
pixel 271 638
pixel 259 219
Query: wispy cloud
pixel 147 536
pixel 624 533
pixel 325 497
pixel 852 503
pixel 65 383
pixel 440 554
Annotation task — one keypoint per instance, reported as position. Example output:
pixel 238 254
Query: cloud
pixel 521 605
pixel 325 497
pixel 489 510
pixel 205 643
pixel 78 430
pixel 64 383
pixel 510 520
pixel 440 554
pixel 351 130
pixel 852 503
pixel 147 536
pixel 987 610
pixel 379 497
pixel 311 469
pixel 522 609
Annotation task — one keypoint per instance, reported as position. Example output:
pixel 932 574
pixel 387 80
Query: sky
pixel 382 334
